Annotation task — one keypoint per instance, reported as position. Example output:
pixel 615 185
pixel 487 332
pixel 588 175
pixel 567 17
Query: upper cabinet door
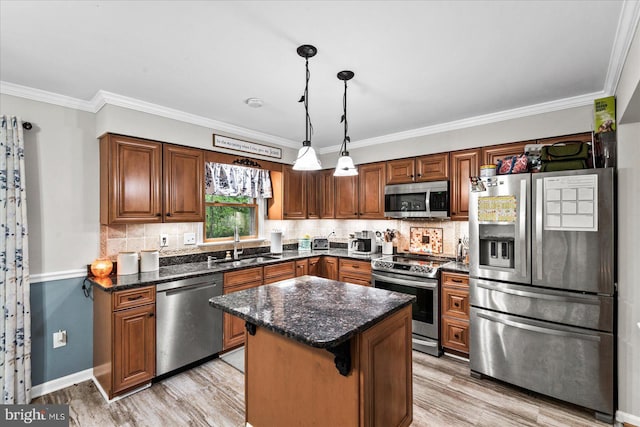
pixel 183 184
pixel 313 194
pixel 346 196
pixel 371 179
pixel 464 164
pixel 130 180
pixel 295 193
pixel 433 167
pixel 327 196
pixel 401 171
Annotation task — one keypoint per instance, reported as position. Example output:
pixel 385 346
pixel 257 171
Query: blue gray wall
pixel 60 304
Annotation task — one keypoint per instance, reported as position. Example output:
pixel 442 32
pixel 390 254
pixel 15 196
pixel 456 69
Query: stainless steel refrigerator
pixel 542 284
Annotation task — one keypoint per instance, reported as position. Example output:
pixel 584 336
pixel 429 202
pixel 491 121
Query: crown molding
pixel 103 97
pixel 516 113
pixel 627 26
pixel 45 96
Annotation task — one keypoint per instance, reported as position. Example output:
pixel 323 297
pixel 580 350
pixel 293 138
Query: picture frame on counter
pixel 246 146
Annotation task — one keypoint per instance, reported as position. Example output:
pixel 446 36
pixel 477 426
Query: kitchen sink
pixel 247 261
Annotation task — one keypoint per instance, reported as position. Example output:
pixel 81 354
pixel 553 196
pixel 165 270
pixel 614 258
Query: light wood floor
pixel 213 395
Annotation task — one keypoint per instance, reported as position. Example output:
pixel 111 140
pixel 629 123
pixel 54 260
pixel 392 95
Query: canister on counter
pixel 149 260
pixel 127 263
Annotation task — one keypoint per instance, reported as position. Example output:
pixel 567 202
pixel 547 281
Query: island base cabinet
pixel 290 383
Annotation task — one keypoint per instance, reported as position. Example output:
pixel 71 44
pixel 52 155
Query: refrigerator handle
pixel 538 247
pixel 523 227
pixel 557 330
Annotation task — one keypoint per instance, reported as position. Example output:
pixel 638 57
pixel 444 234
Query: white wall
pixel 628 239
pixel 61 157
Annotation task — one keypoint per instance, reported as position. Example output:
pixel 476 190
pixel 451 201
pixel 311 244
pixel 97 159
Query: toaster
pixel 320 243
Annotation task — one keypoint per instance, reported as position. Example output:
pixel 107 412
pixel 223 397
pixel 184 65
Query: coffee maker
pixel 364 243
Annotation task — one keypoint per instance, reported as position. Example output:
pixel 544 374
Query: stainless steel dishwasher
pixel 187 327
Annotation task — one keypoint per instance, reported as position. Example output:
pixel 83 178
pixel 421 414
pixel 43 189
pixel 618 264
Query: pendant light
pixel 307 158
pixel 345 165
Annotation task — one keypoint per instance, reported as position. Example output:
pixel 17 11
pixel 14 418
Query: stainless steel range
pixel 416 276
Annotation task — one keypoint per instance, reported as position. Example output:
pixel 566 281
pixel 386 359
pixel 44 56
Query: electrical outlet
pixel 189 238
pixel 59 338
pixel 164 240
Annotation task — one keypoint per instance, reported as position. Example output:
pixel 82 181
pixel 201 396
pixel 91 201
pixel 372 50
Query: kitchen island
pixel 322 352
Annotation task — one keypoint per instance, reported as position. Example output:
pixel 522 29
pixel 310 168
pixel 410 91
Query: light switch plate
pixel 189 238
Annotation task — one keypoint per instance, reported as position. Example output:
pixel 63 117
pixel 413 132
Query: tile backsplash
pixel 136 237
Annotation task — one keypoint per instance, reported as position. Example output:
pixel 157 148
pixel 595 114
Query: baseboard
pixel 60 383
pixel 623 417
pixel 122 396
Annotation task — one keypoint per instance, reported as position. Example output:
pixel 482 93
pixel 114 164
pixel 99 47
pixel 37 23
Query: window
pixel 222 213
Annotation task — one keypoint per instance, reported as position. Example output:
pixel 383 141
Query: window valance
pixel 230 180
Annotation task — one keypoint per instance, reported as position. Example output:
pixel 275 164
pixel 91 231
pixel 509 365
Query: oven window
pixel 411 202
pixel 422 308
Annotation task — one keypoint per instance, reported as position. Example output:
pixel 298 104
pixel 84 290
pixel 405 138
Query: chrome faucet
pixel 236 241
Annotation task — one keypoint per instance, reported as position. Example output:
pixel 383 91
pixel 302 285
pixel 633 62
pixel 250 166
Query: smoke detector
pixel 254 102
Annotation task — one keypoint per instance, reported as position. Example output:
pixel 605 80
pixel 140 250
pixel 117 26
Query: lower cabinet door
pixel 455 334
pixel 134 347
pixel 233 331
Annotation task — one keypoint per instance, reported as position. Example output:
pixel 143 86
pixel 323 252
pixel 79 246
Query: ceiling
pixel 417 63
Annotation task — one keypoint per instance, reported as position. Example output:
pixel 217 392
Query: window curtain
pixel 230 180
pixel 15 319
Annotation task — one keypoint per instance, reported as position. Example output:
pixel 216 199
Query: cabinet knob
pixel 355 213
pixel 411 175
pixel 168 214
pixel 456 336
pixel 456 304
pixel 150 314
pixel 360 213
pixel 419 175
pixel 158 214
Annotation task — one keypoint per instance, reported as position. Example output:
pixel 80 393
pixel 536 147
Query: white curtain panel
pixel 229 180
pixel 15 319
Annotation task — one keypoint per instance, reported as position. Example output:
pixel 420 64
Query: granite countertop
pixel 456 267
pixel 195 269
pixel 318 312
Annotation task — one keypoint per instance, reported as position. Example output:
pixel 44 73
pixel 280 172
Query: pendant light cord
pixel 344 118
pixel 308 125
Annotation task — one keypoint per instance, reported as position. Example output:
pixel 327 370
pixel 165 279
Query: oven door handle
pixel 404 282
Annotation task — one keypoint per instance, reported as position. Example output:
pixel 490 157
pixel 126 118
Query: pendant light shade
pixel 307 158
pixel 345 166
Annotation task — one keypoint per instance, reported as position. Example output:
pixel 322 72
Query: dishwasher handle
pixel 189 283
pixel 189 288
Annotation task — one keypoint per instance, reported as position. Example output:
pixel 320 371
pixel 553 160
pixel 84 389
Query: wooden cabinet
pixel 327 197
pixel 313 194
pixel 314 266
pixel 361 196
pixel 464 164
pixel 130 180
pixel 302 267
pixel 233 327
pixel 282 271
pixel 149 182
pixel 371 179
pixel 401 171
pixel 353 271
pixel 455 312
pixel 295 193
pixel 432 167
pixel 491 155
pixel 329 267
pixel 183 176
pixel 346 197
pixel 124 334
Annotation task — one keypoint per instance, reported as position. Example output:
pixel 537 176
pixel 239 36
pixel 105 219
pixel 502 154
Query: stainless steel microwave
pixel 417 200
